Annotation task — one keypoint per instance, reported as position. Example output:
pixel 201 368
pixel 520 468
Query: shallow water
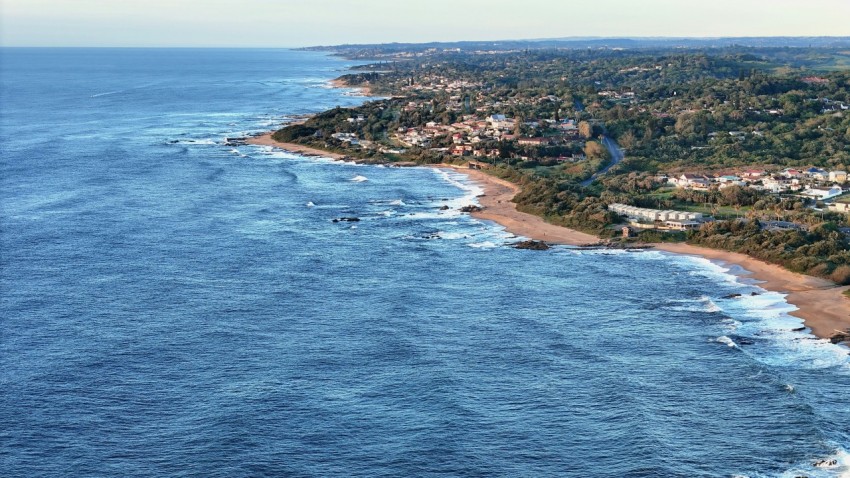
pixel 175 306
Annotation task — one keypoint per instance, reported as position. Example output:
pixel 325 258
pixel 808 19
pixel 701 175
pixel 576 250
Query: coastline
pixel 361 90
pixel 267 140
pixel 821 304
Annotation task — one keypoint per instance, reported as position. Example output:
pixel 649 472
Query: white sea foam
pixel 726 340
pixel 207 141
pixel 452 235
pixel 702 304
pixel 359 179
pixel 836 465
pixel 484 245
pixel 460 181
pixel 310 204
pixel 108 93
pixel 766 316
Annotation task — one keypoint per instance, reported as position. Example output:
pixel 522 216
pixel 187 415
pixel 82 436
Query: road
pixel 616 154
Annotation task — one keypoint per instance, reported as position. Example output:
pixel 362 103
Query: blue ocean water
pixel 173 306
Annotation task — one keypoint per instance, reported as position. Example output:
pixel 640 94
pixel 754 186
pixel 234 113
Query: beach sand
pixel 821 303
pixel 267 140
pixel 361 90
pixel 499 208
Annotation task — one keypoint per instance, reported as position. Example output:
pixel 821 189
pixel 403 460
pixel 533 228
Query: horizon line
pixel 528 40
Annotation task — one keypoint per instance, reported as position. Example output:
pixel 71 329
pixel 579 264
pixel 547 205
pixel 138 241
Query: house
pixel 753 174
pixel 839 207
pixel 792 173
pixel 816 173
pixel 692 181
pixel 823 194
pixel 838 176
pixel 346 138
pixel 461 150
pixel 534 141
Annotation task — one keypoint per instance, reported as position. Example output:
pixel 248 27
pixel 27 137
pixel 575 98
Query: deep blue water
pixel 172 306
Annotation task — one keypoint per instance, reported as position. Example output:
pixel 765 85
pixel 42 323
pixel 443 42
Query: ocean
pixel 174 306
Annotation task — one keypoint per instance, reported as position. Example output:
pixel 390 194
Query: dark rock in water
pixel 627 246
pixel 799 329
pixel 347 219
pixel 532 245
pixel 470 209
pixel 235 141
pixel 825 463
pixel 731 296
pixel 842 336
pixel 444 208
pixel 754 293
pixel 743 341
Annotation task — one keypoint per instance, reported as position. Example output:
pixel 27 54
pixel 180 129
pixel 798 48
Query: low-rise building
pixel 838 176
pixel 823 194
pixel 839 207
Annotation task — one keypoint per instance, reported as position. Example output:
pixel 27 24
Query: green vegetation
pixel 538 118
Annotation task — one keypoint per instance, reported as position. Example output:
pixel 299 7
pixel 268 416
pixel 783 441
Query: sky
pixel 293 23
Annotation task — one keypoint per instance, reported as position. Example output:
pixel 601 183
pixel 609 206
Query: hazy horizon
pixel 297 23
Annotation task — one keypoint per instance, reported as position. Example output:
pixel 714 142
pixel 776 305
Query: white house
pixel 823 194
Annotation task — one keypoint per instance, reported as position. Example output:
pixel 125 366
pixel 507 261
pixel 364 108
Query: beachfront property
pixel 658 219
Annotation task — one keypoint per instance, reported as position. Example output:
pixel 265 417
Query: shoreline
pixel 361 90
pixel 821 304
pixel 267 140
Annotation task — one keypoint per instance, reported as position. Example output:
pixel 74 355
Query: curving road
pixel 616 154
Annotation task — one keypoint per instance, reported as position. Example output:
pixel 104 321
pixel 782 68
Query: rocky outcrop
pixel 532 245
pixel 614 245
pixel 347 219
pixel 235 141
pixel 470 208
pixel 840 336
pixel 731 296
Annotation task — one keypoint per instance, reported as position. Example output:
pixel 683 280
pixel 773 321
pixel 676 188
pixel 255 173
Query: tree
pixel 585 129
pixel 594 150
pixel 627 140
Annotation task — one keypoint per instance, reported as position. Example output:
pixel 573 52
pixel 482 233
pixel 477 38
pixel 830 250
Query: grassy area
pixel 722 212
pixel 719 212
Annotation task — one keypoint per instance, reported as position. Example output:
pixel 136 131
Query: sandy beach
pixel 267 140
pixel 821 303
pixel 499 208
pixel 361 90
